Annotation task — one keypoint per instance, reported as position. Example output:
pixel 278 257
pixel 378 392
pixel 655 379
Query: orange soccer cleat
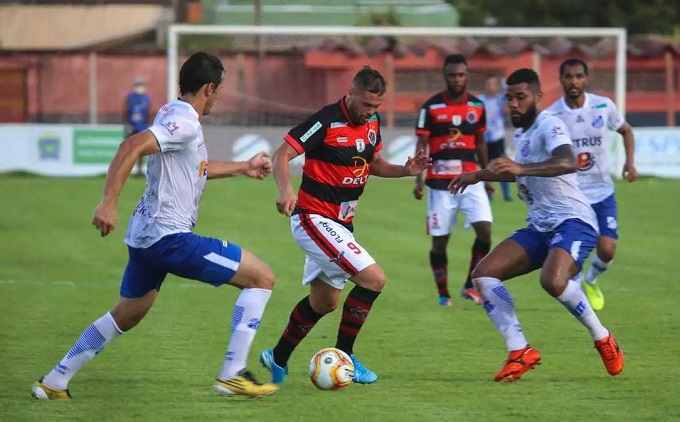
pixel 519 362
pixel 611 354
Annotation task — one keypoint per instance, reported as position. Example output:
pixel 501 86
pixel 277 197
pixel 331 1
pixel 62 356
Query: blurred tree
pixel 638 16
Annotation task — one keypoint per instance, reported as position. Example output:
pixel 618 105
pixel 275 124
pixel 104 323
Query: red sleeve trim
pixel 294 143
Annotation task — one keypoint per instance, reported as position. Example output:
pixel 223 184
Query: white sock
pixel 91 342
pixel 597 267
pixel 501 310
pixel 245 320
pixel 575 301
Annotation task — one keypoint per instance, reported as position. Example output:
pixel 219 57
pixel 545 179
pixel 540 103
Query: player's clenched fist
pixel 105 218
pixel 259 166
pixel 285 203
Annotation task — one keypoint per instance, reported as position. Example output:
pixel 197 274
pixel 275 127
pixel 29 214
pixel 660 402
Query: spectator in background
pixel 136 114
pixel 494 102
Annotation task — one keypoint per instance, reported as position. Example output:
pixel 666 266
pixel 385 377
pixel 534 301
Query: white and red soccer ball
pixel 331 369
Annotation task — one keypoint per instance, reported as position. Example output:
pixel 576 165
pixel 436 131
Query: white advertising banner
pixel 79 150
pixel 657 151
pixel 58 150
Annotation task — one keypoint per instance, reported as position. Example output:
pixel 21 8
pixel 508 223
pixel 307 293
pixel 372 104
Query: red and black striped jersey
pixel 451 129
pixel 338 155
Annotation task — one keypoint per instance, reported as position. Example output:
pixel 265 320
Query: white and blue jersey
pixel 159 236
pixel 550 200
pixel 559 215
pixel 175 177
pixel 590 127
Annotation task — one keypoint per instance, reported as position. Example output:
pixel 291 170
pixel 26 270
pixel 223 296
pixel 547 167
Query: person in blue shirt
pixel 494 102
pixel 137 113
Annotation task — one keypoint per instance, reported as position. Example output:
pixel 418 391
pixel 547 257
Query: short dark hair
pixel 199 69
pixel 573 62
pixel 369 79
pixel 524 75
pixel 454 59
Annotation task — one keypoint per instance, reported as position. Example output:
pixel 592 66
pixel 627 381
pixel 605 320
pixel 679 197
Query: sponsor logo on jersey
pixel 598 122
pixel 471 117
pixel 372 136
pixel 342 139
pixel 442 117
pixel 311 131
pixel 361 145
pixel 457 119
pixel 590 141
pixel 360 172
pixel 579 119
pixel 585 161
pixel 603 105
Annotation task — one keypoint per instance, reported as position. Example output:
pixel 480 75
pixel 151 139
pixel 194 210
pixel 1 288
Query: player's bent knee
pixel 553 287
pixel 371 278
pixel 606 254
pixel 265 279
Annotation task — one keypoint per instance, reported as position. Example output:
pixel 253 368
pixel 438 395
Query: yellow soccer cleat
pixel 595 295
pixel 243 384
pixel 41 391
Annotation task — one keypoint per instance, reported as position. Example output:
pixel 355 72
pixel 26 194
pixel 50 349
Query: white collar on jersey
pixel 585 103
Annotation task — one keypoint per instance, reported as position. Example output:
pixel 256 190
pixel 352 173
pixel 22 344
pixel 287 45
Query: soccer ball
pixel 331 369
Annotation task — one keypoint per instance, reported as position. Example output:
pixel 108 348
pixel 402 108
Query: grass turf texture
pixel 57 275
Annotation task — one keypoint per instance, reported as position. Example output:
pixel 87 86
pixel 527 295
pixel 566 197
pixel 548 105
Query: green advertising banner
pixel 95 145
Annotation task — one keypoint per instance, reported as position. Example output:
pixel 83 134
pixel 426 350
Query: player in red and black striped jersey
pixel 341 144
pixel 450 128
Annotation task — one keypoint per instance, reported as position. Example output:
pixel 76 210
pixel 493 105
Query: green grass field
pixel 57 275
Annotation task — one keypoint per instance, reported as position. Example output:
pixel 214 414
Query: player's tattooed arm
pixel 561 162
pixel 629 171
pixel 130 150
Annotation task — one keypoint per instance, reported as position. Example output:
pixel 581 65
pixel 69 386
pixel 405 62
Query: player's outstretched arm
pixel 285 203
pixel 143 143
pixel 561 162
pixel 629 171
pixel 421 145
pixel 258 167
pixel 412 167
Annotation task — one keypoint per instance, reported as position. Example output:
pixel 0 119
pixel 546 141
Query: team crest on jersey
pixel 524 151
pixel 579 119
pixel 361 145
pixel 598 122
pixel 372 137
pixel 585 161
pixel 456 120
pixel 471 117
pixel 171 127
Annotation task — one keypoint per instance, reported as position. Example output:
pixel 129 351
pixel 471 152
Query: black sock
pixel 354 312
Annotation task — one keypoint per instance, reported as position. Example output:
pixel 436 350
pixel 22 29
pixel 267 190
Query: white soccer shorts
pixel 331 252
pixel 442 208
